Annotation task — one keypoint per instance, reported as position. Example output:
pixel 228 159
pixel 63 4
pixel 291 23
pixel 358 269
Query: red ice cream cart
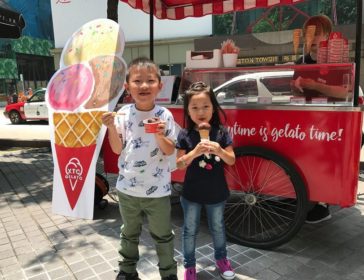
pixel 290 150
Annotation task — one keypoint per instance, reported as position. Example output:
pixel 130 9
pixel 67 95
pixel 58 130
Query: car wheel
pixel 15 117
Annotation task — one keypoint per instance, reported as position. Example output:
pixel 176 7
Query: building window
pixel 172 69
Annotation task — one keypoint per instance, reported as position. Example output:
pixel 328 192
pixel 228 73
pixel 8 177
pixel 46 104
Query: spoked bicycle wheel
pixel 268 200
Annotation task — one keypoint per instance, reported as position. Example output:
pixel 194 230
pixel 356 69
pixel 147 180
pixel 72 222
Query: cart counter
pixel 315 128
pixel 321 143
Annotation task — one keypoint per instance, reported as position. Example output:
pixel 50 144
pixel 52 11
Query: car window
pixel 246 87
pixel 278 85
pixel 38 97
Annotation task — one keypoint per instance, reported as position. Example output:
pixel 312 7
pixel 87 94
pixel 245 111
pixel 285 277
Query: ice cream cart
pixel 290 150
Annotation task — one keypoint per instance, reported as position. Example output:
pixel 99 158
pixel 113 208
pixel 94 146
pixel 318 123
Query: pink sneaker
pixel 226 271
pixel 190 274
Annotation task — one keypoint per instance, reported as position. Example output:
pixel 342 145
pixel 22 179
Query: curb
pixel 11 143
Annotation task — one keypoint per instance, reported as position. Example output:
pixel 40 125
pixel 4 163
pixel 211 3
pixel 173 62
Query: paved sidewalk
pixel 35 244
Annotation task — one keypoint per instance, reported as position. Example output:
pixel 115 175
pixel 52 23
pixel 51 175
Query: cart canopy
pixel 180 9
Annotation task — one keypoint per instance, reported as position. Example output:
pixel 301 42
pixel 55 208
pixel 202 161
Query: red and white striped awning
pixel 180 9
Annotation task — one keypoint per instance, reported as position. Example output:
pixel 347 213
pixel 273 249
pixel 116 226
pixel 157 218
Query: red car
pixel 33 109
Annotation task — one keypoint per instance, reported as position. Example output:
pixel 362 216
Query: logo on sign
pixel 74 163
pixel 73 172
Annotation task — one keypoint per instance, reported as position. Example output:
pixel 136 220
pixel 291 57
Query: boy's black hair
pixel 197 88
pixel 143 62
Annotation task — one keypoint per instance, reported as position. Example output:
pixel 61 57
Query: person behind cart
pixel 313 83
pixel 144 183
pixel 205 184
pixel 320 211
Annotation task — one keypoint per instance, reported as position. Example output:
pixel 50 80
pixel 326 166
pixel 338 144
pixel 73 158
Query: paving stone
pixel 20 243
pixel 5 254
pixel 10 269
pixel 102 268
pixel 78 266
pixel 5 247
pixel 241 259
pixel 84 274
pixel 108 275
pixel 23 250
pixel 42 276
pixel 4 241
pixel 250 268
pixel 34 270
pixel 58 273
pixel 4 262
pixel 252 254
pixel 17 275
pixel 94 260
pixel 145 264
pixel 205 250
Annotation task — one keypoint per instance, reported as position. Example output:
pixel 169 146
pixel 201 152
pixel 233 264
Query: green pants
pixel 158 213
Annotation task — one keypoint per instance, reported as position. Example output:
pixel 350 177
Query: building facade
pixel 27 62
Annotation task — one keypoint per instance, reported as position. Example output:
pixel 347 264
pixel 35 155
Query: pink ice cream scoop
pixel 70 87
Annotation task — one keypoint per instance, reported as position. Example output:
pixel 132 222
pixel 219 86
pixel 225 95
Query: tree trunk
pixel 233 24
pixel 112 10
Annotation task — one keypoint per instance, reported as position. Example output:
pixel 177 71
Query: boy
pixel 144 175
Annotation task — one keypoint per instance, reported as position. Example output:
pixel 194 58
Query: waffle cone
pixel 204 134
pixel 296 40
pixel 309 37
pixel 77 129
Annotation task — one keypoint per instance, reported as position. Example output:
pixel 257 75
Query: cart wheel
pixel 101 188
pixel 103 204
pixel 268 200
pixel 176 192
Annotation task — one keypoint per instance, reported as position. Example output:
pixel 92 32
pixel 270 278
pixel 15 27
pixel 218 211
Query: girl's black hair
pixel 143 62
pixel 197 88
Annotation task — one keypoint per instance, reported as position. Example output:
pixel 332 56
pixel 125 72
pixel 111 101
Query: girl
pixel 205 183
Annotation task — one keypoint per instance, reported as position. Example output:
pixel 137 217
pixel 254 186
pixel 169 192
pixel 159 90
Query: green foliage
pixel 222 24
pixel 8 69
pixel 31 45
pixel 345 10
pixel 265 26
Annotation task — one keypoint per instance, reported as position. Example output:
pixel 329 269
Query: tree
pixel 273 22
pixel 222 24
pixel 345 10
pixel 283 18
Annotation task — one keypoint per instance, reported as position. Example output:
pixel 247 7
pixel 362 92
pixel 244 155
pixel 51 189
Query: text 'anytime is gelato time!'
pixel 89 82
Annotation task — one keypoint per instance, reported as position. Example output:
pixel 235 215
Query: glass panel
pixel 314 84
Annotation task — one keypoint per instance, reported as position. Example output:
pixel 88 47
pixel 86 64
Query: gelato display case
pixel 315 84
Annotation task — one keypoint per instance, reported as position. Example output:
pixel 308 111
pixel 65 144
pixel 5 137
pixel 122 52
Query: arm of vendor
pixel 312 87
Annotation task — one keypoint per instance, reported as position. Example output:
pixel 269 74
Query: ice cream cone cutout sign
pixel 89 82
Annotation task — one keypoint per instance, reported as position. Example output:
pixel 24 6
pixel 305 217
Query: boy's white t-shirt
pixel 144 170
